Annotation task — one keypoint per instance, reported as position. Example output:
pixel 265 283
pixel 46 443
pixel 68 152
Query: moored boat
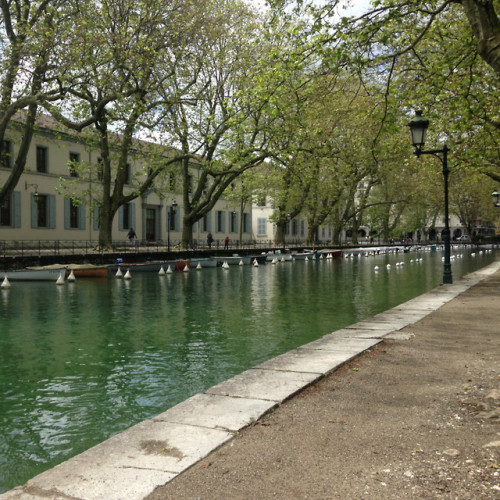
pixel 88 270
pixel 302 255
pixel 204 262
pixel 234 260
pixel 34 274
pixel 152 265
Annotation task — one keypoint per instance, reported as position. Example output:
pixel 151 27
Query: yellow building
pixel 42 207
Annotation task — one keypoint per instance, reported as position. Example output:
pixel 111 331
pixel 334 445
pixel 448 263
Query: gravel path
pixel 415 418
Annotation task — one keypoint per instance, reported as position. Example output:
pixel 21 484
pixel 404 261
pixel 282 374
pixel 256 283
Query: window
pixel 74 159
pixel 220 221
pixel 233 222
pixel 244 223
pixel 42 157
pixel 261 226
pixel 302 227
pixel 261 201
pixel 42 209
pixel 6 213
pixel 7 154
pixel 10 211
pixel 205 223
pixel 126 216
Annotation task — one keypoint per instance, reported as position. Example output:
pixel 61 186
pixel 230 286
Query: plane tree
pixel 129 52
pixel 223 125
pixel 34 36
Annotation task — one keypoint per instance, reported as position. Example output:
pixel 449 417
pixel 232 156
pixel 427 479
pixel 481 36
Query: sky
pixel 355 7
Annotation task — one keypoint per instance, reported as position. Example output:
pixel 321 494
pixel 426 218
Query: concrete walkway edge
pixel 150 454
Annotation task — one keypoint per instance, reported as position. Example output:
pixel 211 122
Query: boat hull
pixel 209 262
pixel 88 271
pixel 153 266
pixel 233 260
pixel 33 274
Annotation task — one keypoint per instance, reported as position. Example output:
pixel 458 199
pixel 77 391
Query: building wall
pixel 53 216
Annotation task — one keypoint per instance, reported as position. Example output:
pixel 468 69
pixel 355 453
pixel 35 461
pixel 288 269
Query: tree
pixel 129 54
pixel 219 126
pixel 32 41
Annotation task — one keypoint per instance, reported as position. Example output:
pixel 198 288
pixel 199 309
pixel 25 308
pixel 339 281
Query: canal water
pixel 84 361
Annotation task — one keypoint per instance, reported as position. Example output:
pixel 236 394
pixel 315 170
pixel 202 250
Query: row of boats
pixel 56 271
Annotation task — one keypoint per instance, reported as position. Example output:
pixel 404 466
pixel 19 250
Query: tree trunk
pixel 187 233
pixel 486 28
pixel 279 238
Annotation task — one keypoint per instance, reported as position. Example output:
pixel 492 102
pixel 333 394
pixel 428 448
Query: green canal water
pixel 84 361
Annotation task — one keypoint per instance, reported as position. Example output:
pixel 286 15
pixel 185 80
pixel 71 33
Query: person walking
pixel 210 240
pixel 132 236
pixel 226 243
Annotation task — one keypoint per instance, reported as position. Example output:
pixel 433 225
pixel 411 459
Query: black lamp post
pixel 494 197
pixel 418 128
pixel 172 209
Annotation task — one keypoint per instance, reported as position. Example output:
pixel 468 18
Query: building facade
pixel 53 201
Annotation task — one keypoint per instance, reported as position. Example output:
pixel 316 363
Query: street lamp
pixel 172 209
pixel 418 129
pixel 494 197
pixel 36 196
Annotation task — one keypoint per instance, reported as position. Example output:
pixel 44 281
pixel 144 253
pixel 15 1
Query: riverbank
pixel 385 424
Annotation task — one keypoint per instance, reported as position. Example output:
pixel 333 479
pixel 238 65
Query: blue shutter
pixel 96 219
pixel 209 221
pixel 236 220
pixel 178 220
pixel 132 216
pixel 67 210
pixel 52 211
pixel 120 218
pixel 81 214
pixel 34 211
pixel 223 221
pixel 16 206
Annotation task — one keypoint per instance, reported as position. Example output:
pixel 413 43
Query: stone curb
pixel 130 465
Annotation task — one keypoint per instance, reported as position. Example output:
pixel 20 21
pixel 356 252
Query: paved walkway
pixel 386 408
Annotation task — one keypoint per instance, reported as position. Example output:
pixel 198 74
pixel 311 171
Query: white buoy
pixel 169 270
pixel 306 259
pixel 186 268
pixel 5 283
pixel 198 267
pixel 161 272
pixel 283 259
pixel 321 256
pixel 60 280
pixel 71 276
pixel 411 261
pixel 388 266
pixel 376 268
pixel 241 263
pixel 255 263
pixel 274 261
pixel 119 273
pixel 225 266
pixel 127 276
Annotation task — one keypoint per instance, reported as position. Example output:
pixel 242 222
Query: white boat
pixel 234 260
pixel 203 262
pixel 303 255
pixel 34 274
pixel 279 255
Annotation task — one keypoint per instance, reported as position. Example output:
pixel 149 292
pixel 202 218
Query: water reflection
pixel 83 361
